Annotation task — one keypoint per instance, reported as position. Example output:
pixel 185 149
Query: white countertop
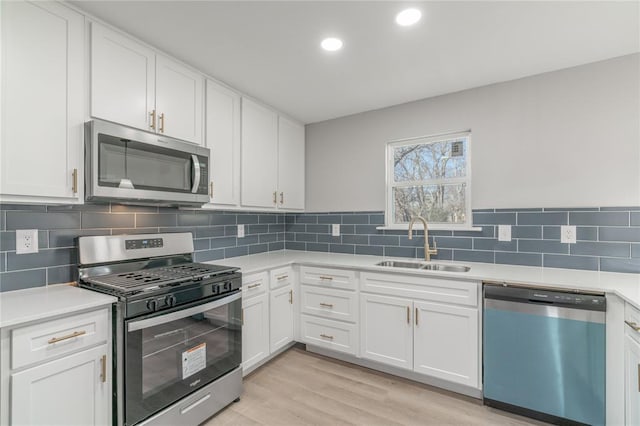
pixel 626 286
pixel 21 306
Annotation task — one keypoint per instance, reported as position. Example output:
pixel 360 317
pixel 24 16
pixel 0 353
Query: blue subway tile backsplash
pixel 608 238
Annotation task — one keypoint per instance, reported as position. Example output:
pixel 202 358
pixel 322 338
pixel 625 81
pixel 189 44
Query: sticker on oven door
pixel 194 360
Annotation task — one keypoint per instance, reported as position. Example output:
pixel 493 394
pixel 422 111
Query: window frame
pixel 390 184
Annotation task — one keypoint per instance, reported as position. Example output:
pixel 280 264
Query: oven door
pixel 170 355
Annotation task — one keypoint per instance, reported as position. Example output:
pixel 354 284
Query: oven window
pixel 169 360
pixel 123 163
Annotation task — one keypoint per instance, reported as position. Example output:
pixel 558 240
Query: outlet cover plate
pixel 568 234
pixel 504 232
pixel 26 241
pixel 240 231
pixel 335 230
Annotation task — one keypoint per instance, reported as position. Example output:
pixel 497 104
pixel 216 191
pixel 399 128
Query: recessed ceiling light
pixel 408 17
pixel 331 44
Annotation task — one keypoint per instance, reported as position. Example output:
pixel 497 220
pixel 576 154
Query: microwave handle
pixel 195 173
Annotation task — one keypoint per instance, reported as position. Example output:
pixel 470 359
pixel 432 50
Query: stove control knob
pixel 152 305
pixel 170 301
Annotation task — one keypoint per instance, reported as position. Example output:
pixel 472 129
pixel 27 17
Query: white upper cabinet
pixel 223 139
pixel 178 100
pixel 132 85
pixel 122 79
pixel 41 102
pixel 272 159
pixel 259 155
pixel 290 164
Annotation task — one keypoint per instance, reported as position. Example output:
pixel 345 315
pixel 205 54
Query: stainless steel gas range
pixel 177 327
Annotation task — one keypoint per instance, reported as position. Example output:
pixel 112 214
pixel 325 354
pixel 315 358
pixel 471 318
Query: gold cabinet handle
pixel 254 285
pixel 633 325
pixel 161 121
pixel 326 336
pixel 282 277
pixel 408 315
pixel 323 277
pixel 326 305
pixel 275 197
pixel 152 123
pixel 211 189
pixel 68 336
pixel 103 368
pixel 74 183
pixel 416 316
pixel 281 198
pixel 242 316
pixel 291 297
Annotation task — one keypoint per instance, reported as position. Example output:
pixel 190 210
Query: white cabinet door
pixel 632 380
pixel 259 155
pixel 122 79
pixel 255 330
pixel 290 164
pixel 386 330
pixel 223 139
pixel 178 100
pixel 281 321
pixel 42 101
pixel 446 342
pixel 68 391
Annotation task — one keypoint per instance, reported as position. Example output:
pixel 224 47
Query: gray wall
pixel 569 138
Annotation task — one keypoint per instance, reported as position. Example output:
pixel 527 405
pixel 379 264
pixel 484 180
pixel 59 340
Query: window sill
pixel 431 227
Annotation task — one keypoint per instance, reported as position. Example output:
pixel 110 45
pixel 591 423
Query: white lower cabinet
pixel 69 391
pixel 631 365
pixel 334 335
pixel 446 342
pixel 58 371
pixel 386 332
pixel 281 317
pixel 255 330
pixel 439 340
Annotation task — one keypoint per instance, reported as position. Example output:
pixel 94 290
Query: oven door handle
pixel 173 316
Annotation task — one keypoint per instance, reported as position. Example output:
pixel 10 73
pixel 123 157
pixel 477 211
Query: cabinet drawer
pixel 329 303
pixel 329 334
pixel 61 336
pixel 632 318
pixel 254 284
pixel 429 288
pixel 281 277
pixel 330 278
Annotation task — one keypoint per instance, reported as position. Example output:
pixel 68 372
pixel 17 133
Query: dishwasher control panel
pixel 576 300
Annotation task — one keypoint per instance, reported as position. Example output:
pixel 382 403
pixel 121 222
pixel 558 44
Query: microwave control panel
pixel 203 187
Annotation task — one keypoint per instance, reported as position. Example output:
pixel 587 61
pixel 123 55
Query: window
pixel 429 177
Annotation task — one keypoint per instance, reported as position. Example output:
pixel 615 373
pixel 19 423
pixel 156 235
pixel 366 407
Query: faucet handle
pixel 434 250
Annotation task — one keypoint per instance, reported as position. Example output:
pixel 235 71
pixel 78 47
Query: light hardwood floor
pixel 300 388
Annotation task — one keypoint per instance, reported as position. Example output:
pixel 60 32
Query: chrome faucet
pixel 427 251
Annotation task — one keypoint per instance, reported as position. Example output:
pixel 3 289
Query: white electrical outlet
pixel 568 234
pixel 240 231
pixel 26 241
pixel 504 232
pixel 335 230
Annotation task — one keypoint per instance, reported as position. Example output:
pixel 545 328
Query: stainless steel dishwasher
pixel 544 353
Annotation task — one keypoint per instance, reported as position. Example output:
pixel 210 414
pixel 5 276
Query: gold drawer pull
pixel 291 297
pixel 74 183
pixel 254 285
pixel 408 315
pixel 326 336
pixel 68 336
pixel 323 277
pixel 326 305
pixel 152 122
pixel 633 325
pixel 103 368
pixel 282 277
pixel 161 121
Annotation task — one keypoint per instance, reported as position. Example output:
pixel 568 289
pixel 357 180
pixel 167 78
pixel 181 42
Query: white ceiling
pixel 270 50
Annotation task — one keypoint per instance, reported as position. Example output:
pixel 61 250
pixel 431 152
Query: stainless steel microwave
pixel 129 165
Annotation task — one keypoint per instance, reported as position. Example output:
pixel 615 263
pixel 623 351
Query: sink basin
pixel 400 264
pixel 424 266
pixel 445 268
